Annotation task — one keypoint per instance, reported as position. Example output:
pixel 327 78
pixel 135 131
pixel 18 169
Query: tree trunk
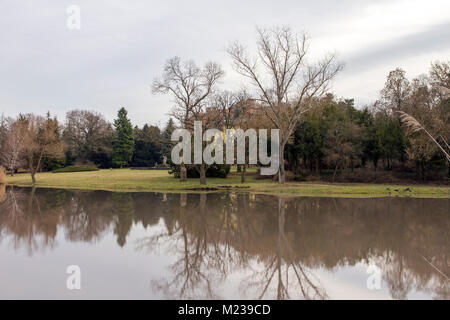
pixel 335 170
pixel 2 193
pixel 203 198
pixel 281 219
pixel 183 173
pixel 183 200
pixel 2 175
pixel 281 173
pixel 31 198
pixel 35 169
pixel 422 169
pixel 202 174
pixel 243 174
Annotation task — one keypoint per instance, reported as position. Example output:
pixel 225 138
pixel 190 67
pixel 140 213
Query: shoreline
pixel 126 180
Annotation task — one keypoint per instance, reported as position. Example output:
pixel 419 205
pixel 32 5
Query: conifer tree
pixel 124 142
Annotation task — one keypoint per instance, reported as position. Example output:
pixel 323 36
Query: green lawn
pixel 159 180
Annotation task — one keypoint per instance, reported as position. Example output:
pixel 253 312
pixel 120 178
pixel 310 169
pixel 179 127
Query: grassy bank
pixel 159 180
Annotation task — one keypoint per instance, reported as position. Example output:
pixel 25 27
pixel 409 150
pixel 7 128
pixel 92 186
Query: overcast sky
pixel 122 45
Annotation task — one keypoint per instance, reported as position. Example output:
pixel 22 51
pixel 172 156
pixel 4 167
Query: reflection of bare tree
pixel 2 193
pixel 193 274
pixel 29 226
pixel 203 244
pixel 401 280
pixel 211 244
pixel 439 284
pixel 442 290
pixel 276 244
pixel 84 216
pixel 10 206
pixel 398 278
pixel 32 216
pixel 283 266
pixel 281 253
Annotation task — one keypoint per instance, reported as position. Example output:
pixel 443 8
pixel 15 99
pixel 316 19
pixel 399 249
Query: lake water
pixel 221 245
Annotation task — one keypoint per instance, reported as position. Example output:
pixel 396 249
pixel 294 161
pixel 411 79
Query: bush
pixel 218 171
pixel 300 177
pixel 50 164
pixel 75 169
pixel 213 171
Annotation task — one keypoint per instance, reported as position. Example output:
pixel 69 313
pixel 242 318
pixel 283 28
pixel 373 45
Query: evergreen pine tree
pixel 166 145
pixel 124 142
pixel 167 133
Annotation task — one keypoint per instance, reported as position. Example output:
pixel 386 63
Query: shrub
pixel 218 171
pixel 75 169
pixel 213 171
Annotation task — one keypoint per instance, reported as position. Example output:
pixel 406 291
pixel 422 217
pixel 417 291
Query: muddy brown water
pixel 221 245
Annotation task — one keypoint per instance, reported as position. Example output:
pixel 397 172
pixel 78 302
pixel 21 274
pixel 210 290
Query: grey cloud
pixel 434 39
pixel 122 45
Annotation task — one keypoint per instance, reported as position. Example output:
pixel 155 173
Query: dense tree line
pixel 406 130
pixel 403 135
pixel 36 143
pixel 332 141
pixel 335 138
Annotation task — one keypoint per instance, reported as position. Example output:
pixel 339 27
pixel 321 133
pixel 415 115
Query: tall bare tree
pixel 440 73
pixel 424 112
pixel 13 147
pixel 190 87
pixel 284 82
pixel 396 91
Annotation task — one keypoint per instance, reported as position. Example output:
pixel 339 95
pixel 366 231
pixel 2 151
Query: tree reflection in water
pixel 278 245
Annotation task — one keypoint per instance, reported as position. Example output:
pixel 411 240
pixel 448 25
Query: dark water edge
pixel 221 245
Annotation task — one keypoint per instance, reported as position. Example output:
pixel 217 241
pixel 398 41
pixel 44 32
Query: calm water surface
pixel 221 245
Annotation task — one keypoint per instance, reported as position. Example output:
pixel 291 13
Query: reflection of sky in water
pixel 107 270
pixel 111 272
pixel 144 268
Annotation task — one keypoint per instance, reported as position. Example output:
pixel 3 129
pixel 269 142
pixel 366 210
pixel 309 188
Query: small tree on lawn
pixel 124 142
pixel 42 138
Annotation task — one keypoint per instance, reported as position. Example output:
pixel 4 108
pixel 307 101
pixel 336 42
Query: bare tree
pixel 284 82
pixel 86 132
pixel 396 91
pixel 440 74
pixel 234 111
pixel 190 87
pixel 226 103
pixel 41 138
pixel 13 147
